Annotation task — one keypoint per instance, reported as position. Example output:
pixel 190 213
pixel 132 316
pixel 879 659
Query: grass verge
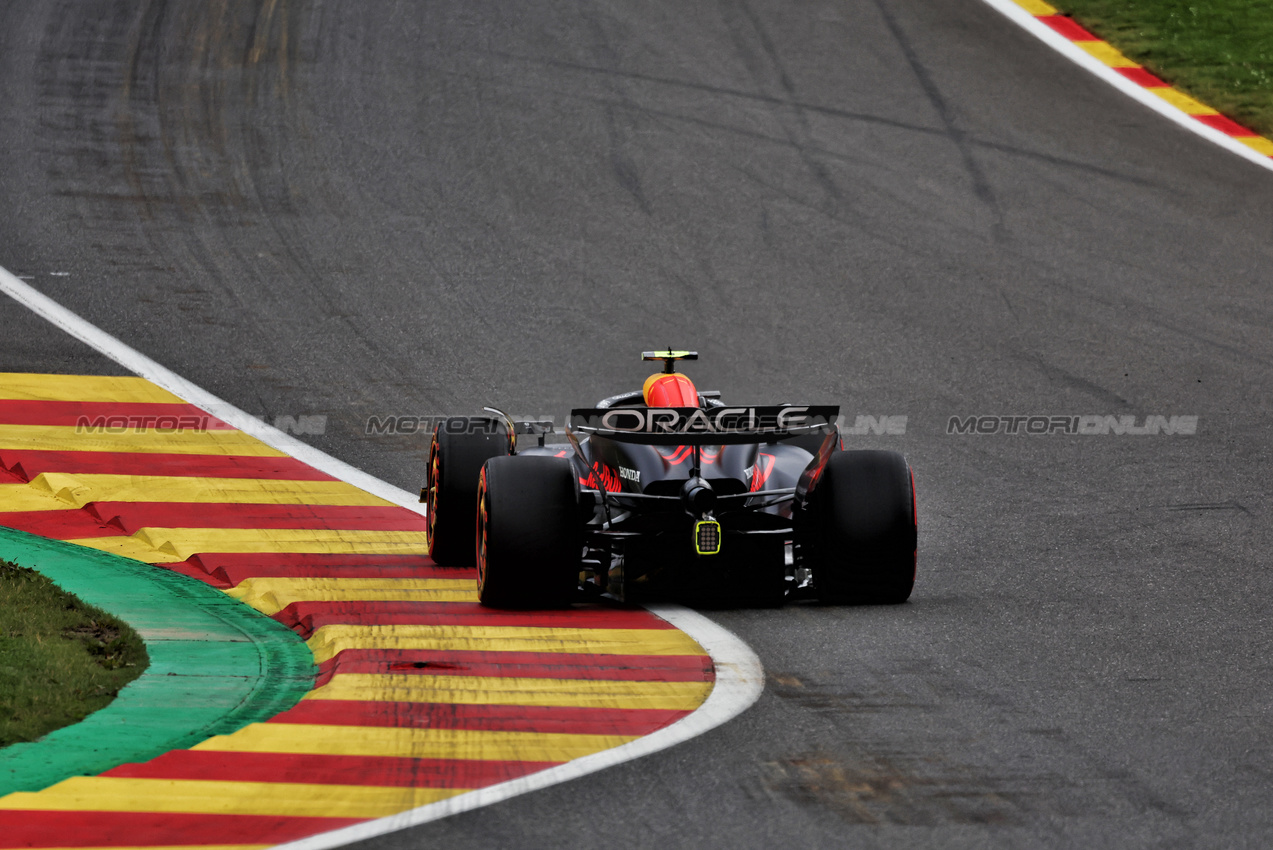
pixel 60 659
pixel 1219 51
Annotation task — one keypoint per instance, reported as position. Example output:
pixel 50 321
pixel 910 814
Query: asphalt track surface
pixel 907 207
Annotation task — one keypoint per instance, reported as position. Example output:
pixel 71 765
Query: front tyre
pixel 529 540
pixel 864 529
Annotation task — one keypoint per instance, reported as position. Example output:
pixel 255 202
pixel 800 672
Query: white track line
pixel 139 364
pixel 740 679
pixel 1079 56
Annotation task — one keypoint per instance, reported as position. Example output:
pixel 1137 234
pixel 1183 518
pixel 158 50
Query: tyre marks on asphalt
pixel 422 694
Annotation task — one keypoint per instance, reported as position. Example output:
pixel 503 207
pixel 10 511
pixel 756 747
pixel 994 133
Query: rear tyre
pixel 529 540
pixel 460 446
pixel 864 529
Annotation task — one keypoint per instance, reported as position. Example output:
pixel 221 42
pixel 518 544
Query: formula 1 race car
pixel 668 492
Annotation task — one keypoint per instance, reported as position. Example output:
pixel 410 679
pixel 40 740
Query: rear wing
pixel 671 426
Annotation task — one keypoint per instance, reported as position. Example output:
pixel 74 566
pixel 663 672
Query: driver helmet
pixel 669 389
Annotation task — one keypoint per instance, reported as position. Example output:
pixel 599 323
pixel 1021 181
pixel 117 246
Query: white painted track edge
pixel 1077 55
pixel 739 674
pixel 141 365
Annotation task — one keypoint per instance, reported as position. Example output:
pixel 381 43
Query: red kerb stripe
pixel 60 525
pixel 328 769
pixel 1225 125
pixel 198 574
pixel 105 519
pixel 1067 27
pixel 1141 77
pixel 502 718
pixel 307 616
pixel 533 665
pixel 28 464
pixel 130 516
pixel 236 566
pixel 138 829
pixel 98 415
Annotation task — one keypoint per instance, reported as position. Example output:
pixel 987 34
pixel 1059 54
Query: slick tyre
pixel 529 540
pixel 864 529
pixel 461 445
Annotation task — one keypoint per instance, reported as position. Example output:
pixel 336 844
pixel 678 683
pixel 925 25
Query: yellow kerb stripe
pixel 184 542
pixel 1182 101
pixel 327 641
pixel 1104 52
pixel 270 604
pixel 1036 7
pixel 411 743
pixel 300 586
pixel 500 690
pixel 56 491
pixel 181 543
pixel 89 388
pixel 192 796
pixel 1259 144
pixel 150 441
pixel 271 595
pixel 21 497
